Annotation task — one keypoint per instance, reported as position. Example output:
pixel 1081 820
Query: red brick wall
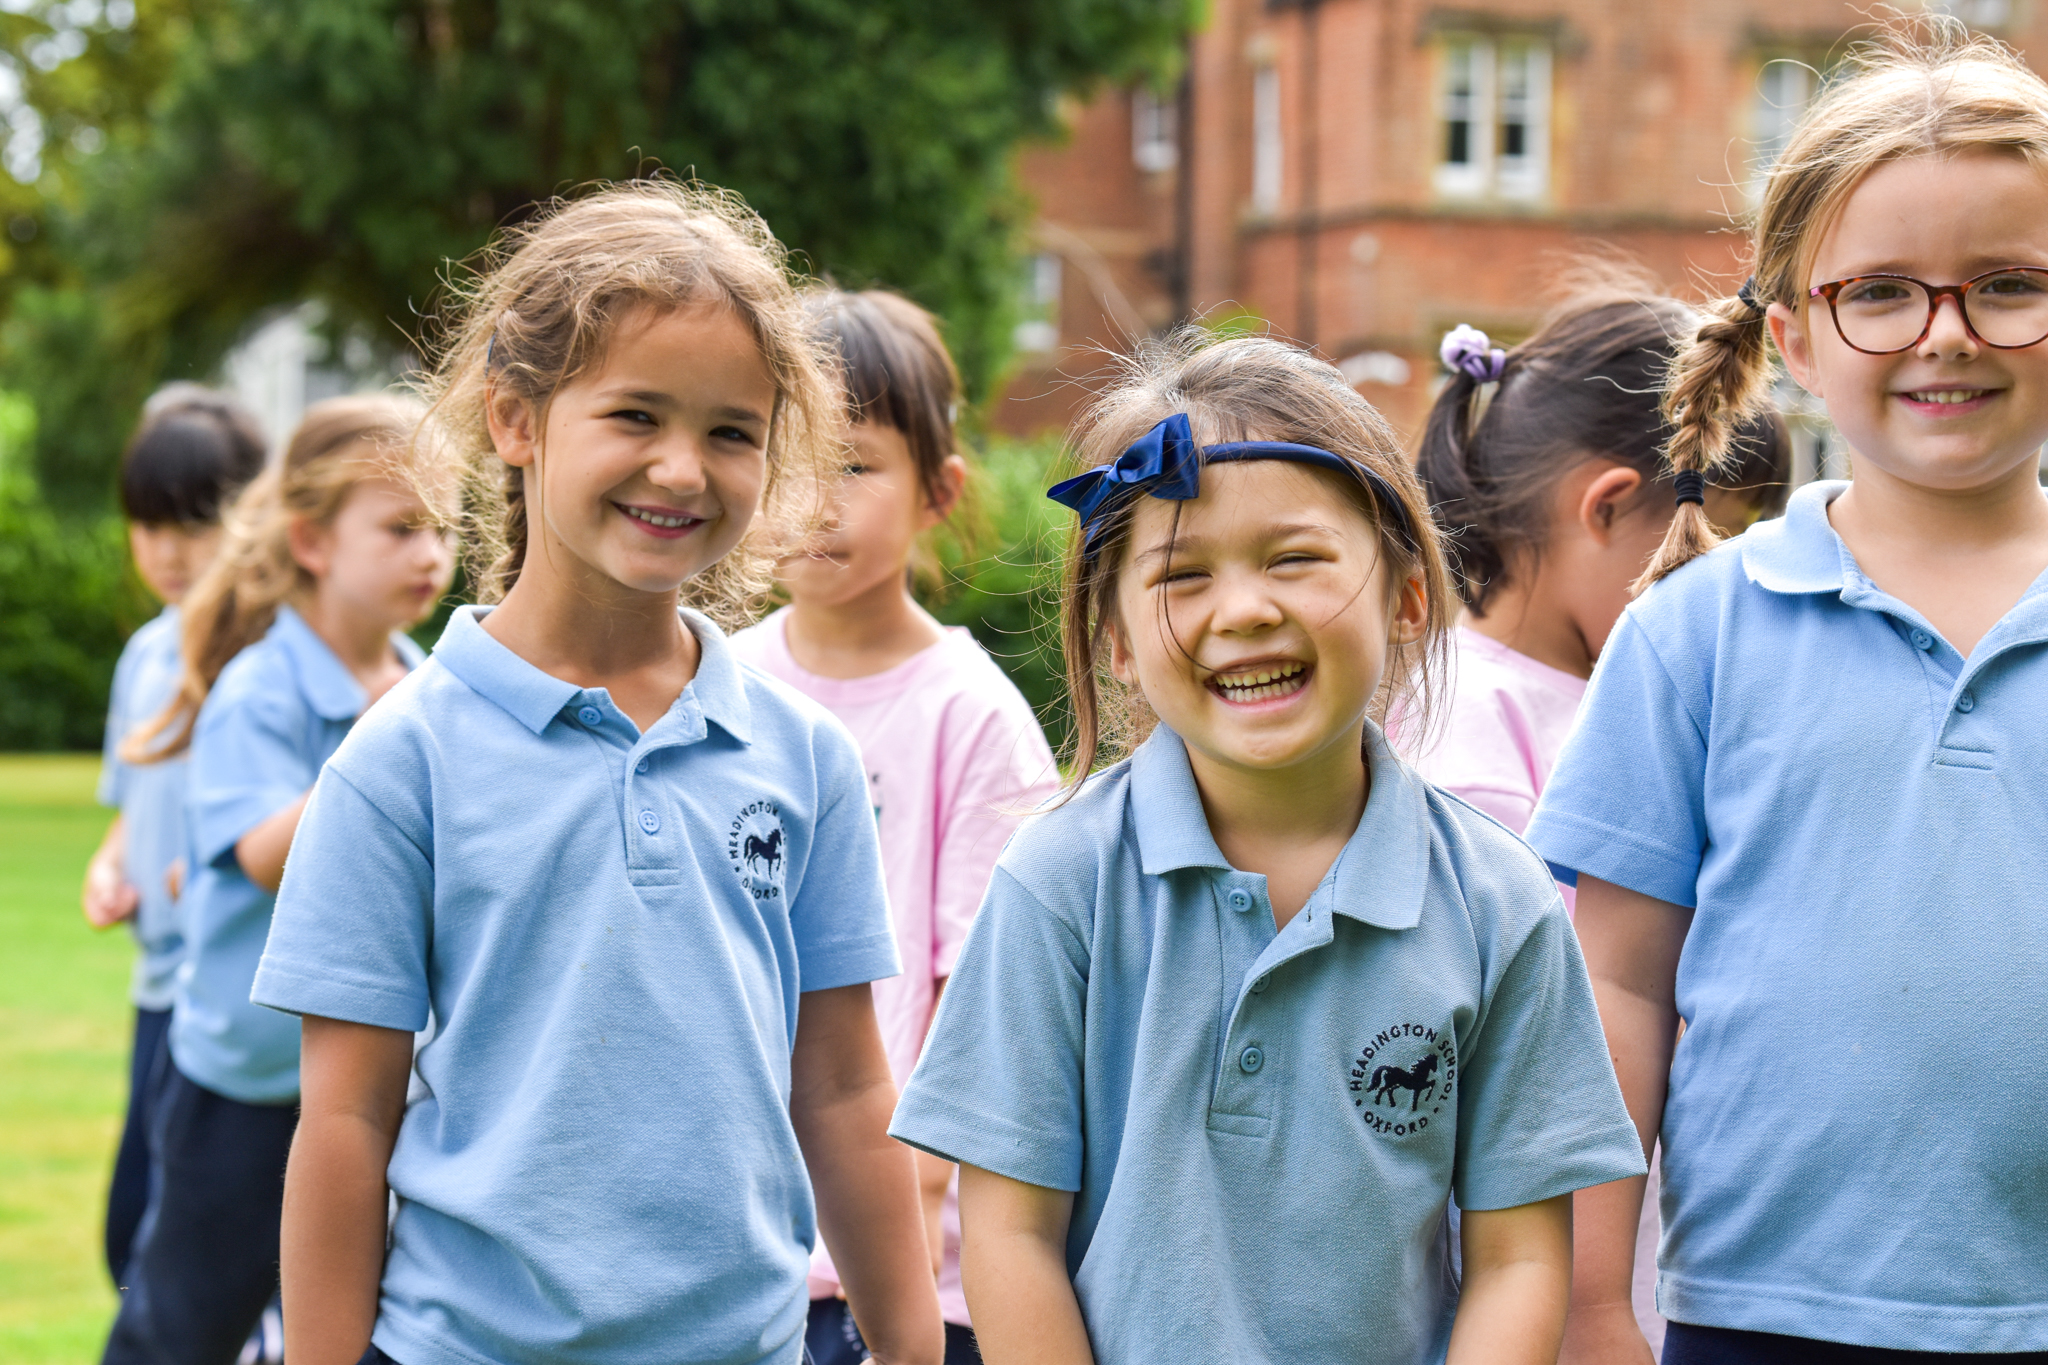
pixel 1650 120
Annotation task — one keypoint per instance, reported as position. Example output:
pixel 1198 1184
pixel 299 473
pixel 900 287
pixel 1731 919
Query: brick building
pixel 1363 174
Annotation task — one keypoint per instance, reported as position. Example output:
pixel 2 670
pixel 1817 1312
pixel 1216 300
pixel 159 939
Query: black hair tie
pixel 1747 294
pixel 1690 486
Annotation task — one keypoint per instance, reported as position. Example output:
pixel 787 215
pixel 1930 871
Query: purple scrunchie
pixel 1468 349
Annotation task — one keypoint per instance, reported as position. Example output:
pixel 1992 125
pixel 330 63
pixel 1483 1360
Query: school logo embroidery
pixel 754 846
pixel 1404 1078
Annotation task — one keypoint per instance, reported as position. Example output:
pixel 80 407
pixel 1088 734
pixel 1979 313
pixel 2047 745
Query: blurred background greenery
pixel 176 170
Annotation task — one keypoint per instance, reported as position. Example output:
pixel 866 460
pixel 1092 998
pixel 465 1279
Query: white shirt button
pixel 650 822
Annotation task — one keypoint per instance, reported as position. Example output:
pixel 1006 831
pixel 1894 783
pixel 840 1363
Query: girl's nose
pixel 1948 334
pixel 679 467
pixel 1245 604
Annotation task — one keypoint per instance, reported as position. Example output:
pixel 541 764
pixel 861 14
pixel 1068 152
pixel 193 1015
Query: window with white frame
pixel 1784 89
pixel 1493 118
pixel 1268 152
pixel 1038 326
pixel 1155 131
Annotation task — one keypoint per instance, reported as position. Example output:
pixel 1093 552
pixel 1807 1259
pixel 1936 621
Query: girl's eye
pixel 2013 286
pixel 854 470
pixel 634 415
pixel 1877 292
pixel 732 434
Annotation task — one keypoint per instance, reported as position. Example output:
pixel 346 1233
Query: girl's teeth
pixel 667 523
pixel 1261 685
pixel 1948 396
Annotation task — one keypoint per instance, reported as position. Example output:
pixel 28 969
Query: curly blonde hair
pixel 1924 87
pixel 537 308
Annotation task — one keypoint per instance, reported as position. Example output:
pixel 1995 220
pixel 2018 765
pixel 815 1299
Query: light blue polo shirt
pixel 1856 1138
pixel 1264 1128
pixel 151 799
pixel 612 930
pixel 279 709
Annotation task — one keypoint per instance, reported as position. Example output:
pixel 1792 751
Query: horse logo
pixel 1377 1081
pixel 754 844
pixel 757 851
pixel 1416 1080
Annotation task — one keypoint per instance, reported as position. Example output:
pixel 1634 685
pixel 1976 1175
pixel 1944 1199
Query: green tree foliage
pixel 176 167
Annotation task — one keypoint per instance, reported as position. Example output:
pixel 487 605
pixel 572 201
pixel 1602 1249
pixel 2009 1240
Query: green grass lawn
pixel 64 1021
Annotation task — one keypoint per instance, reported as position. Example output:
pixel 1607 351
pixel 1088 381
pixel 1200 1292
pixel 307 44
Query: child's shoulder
pixel 1068 846
pixel 1502 883
pixel 783 716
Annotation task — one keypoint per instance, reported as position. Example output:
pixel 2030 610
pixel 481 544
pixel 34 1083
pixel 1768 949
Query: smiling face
pixel 879 508
pixel 652 463
pixel 1950 413
pixel 1258 628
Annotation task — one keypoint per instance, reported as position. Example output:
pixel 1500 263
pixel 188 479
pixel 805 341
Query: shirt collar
pixel 1380 875
pixel 329 687
pixel 533 697
pixel 1798 552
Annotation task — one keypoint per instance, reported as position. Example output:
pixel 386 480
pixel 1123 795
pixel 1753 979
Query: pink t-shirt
pixel 954 757
pixel 1506 717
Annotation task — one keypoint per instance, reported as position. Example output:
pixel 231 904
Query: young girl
pixel 952 750
pixel 1544 463
pixel 1810 763
pixel 194 451
pixel 635 885
pixel 288 637
pixel 1237 1018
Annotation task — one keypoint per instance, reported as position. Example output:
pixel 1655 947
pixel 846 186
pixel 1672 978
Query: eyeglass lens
pixel 2008 309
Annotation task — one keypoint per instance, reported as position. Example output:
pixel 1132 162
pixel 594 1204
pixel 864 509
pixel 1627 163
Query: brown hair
pixel 1234 388
pixel 340 443
pixel 896 370
pixel 1587 385
pixel 1925 87
pixel 540 304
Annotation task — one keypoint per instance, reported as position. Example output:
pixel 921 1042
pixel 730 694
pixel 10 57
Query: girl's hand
pixel 841 1097
pixel 1013 1264
pixel 1606 1334
pixel 353 1079
pixel 109 897
pixel 1517 1284
pixel 174 878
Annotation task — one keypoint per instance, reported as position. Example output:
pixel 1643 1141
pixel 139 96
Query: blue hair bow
pixel 1167 463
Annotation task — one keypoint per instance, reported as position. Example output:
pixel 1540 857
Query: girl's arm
pixel 934 1173
pixel 1632 943
pixel 841 1098
pixel 1013 1265
pixel 352 1080
pixel 261 851
pixel 109 897
pixel 1517 1284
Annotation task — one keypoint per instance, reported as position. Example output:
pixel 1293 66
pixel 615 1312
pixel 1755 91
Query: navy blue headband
pixel 1167 463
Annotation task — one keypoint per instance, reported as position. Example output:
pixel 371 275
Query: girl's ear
pixel 1604 498
pixel 946 491
pixel 1411 613
pixel 1122 666
pixel 1788 331
pixel 514 427
pixel 312 546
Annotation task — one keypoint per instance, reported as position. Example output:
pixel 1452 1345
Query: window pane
pixel 1458 143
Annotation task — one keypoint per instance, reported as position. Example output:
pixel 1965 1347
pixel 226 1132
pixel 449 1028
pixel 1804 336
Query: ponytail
pixel 1718 380
pixel 340 443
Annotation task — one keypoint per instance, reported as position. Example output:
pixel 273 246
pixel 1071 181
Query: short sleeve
pixel 999 1085
pixel 1006 770
pixel 1626 802
pixel 250 760
pixel 113 786
pixel 349 937
pixel 1540 1112
pixel 839 906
